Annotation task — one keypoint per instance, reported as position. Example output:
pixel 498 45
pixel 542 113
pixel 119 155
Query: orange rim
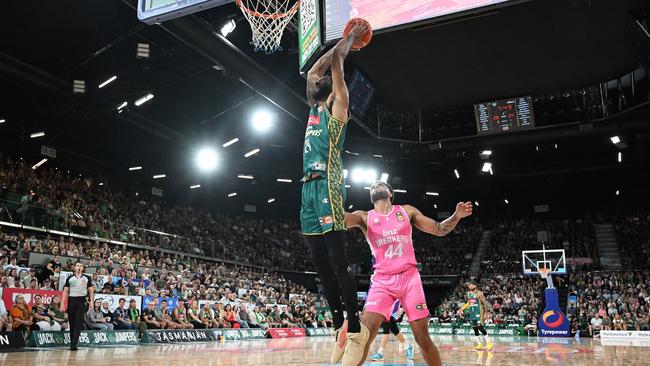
pixel 253 13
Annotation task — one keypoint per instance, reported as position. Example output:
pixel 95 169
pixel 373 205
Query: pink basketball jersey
pixel 390 240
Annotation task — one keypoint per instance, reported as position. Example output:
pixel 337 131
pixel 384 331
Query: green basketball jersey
pixel 474 306
pixel 323 144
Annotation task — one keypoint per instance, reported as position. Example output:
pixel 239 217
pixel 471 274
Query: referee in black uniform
pixel 77 287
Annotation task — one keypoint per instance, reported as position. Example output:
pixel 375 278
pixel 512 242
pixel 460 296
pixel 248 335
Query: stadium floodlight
pixel 486 153
pixel 348 186
pixel 284 180
pixel 159 176
pixel 2 120
pixel 456 173
pixel 487 166
pixel 251 153
pixel 271 200
pixel 358 175
pixel 244 176
pixel 228 143
pixel 620 157
pixel 262 120
pixel 101 183
pixel 476 203
pixel 43 161
pixel 345 173
pixel 206 159
pixel 399 190
pixel 435 206
pixel 506 201
pixel 228 27
pixel 121 106
pixel 370 176
pixel 350 207
pixel 378 156
pixel 384 177
pixel 110 80
pixel 195 186
pixel 615 139
pixel 143 100
pixel 37 134
pixel 233 194
pixel 366 188
pixel 135 168
pixel 618 192
pixel 432 194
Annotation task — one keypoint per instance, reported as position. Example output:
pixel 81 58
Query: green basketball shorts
pixel 322 207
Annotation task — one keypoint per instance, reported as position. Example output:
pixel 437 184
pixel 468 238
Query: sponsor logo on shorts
pixel 399 216
pixel 421 306
pixel 325 220
pixel 314 119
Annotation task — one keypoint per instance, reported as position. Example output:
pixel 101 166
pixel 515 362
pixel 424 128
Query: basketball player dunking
pixel 476 303
pixel 323 195
pixel 388 230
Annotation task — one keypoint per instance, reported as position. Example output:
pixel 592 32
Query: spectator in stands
pixel 237 315
pixel 194 315
pixel 149 316
pixel 644 323
pixel 110 315
pixel 162 314
pixel 607 323
pixel 260 318
pixel 595 325
pixel 96 320
pixel 135 316
pixel 207 317
pixel 5 324
pixel 617 323
pixel 42 316
pixel 630 322
pixel 179 315
pixel 21 315
pixel 122 318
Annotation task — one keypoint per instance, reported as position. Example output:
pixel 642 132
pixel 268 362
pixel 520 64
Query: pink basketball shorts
pixel 405 287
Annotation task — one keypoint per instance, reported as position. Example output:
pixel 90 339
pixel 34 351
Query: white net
pixel 268 18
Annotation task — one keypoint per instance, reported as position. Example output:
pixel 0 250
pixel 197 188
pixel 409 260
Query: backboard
pixel 554 259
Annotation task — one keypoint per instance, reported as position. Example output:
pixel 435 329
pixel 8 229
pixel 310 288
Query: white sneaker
pixel 356 347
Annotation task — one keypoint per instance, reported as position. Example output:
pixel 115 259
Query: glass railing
pixel 25 214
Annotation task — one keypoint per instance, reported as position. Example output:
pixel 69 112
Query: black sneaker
pixel 73 348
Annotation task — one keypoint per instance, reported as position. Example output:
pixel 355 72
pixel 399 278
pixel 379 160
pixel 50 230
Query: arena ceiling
pixel 557 45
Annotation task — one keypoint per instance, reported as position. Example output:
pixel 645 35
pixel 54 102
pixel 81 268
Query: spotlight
pixel 233 194
pixel 135 168
pixel 618 192
pixel 243 176
pixel 456 173
pixel 506 201
pixel 252 152
pixel 262 120
pixel 37 134
pixel 121 106
pixel 487 166
pixel 284 180
pixel 195 186
pixel 399 190
pixel 110 80
pixel 143 100
pixel 350 207
pixel 228 27
pixel 615 139
pixel 357 175
pixel 384 177
pixel 43 161
pixel 2 120
pixel 206 159
pixel 158 176
pixel 476 203
pixel 228 143
pixel 370 176
pixel 345 173
pixel 432 194
pixel 271 200
pixel 620 157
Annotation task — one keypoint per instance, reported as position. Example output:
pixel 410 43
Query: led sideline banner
pixel 11 340
pixel 178 335
pixel 9 296
pixel 172 302
pixel 86 338
pixel 286 332
pixel 624 334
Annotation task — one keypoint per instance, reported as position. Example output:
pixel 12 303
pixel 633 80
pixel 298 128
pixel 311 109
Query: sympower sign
pixel 553 322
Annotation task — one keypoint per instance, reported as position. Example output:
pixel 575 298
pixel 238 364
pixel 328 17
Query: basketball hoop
pixel 544 271
pixel 268 18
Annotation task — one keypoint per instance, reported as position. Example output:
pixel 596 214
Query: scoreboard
pixel 504 115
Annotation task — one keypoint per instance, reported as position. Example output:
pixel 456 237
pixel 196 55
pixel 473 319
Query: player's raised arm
pixel 356 219
pixel 315 74
pixel 430 226
pixel 340 97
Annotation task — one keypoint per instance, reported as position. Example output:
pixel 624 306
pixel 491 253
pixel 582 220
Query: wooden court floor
pixel 315 351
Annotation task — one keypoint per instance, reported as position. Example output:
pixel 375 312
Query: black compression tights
pixel 479 328
pixel 331 262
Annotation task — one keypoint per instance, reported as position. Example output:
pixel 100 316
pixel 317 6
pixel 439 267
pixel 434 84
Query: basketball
pixel 365 40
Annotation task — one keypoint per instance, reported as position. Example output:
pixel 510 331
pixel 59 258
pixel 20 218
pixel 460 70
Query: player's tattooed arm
pixel 430 226
pixel 319 69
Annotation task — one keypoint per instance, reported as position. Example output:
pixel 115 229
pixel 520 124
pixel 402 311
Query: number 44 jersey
pixel 390 240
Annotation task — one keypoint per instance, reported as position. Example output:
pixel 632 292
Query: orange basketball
pixel 363 42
